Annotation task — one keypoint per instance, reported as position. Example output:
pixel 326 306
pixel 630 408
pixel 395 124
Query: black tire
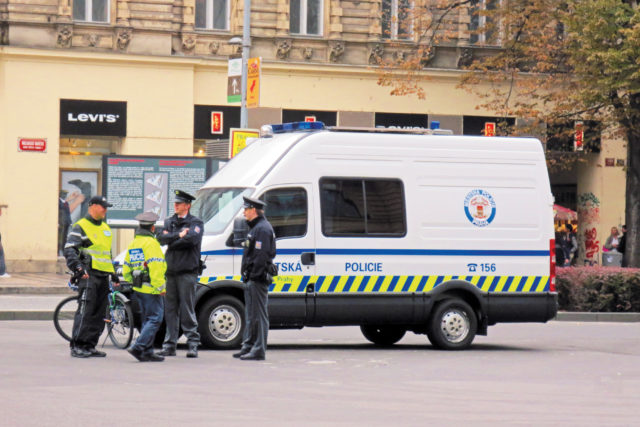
pixel 452 325
pixel 383 335
pixel 121 324
pixel 221 322
pixel 63 316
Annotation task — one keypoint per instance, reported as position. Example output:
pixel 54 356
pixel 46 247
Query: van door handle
pixel 308 258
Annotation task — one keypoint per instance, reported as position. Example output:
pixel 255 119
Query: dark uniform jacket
pixel 76 240
pixel 259 250
pixel 183 254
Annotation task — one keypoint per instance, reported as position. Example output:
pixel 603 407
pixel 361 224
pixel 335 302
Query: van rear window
pixel 362 207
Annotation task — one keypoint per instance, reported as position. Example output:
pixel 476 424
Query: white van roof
pixel 253 163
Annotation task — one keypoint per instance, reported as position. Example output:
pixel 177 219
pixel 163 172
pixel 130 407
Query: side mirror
pixel 240 232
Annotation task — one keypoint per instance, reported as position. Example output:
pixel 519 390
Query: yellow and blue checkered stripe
pixel 396 284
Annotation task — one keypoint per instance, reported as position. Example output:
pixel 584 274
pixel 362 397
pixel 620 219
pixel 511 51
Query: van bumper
pixel 510 307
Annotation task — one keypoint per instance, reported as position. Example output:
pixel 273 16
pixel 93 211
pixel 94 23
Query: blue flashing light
pixel 434 125
pixel 296 126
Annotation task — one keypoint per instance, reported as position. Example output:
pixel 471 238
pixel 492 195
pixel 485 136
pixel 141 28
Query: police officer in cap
pixel 183 236
pixel 259 252
pixel 88 255
pixel 144 266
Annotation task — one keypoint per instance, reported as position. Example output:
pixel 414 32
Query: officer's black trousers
pixel 256 298
pixel 88 322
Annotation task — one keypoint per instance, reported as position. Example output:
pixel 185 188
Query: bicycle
pixel 118 317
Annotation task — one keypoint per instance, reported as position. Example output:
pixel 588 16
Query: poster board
pixel 136 184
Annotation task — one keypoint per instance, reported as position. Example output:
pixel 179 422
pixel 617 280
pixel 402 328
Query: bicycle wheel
pixel 63 316
pixel 120 324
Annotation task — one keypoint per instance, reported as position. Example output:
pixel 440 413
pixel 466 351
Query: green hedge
pixel 598 289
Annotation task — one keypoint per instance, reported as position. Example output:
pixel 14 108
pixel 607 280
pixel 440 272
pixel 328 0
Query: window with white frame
pixel 91 10
pixel 483 27
pixel 396 19
pixel 212 14
pixel 305 17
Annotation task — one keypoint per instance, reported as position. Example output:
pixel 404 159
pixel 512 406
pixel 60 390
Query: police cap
pixel 253 203
pixel 147 218
pixel 183 197
pixel 100 200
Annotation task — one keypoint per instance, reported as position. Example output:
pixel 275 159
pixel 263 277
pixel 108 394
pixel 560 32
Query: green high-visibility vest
pixel 100 249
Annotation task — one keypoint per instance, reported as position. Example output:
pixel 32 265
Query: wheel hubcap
pixel 455 326
pixel 224 323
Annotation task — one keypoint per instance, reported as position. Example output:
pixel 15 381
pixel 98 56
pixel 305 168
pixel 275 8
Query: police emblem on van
pixel 479 207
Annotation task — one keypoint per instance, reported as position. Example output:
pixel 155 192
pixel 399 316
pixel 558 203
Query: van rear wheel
pixel 383 335
pixel 453 325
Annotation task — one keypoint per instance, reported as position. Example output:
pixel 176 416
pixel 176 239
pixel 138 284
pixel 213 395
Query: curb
pixel 597 317
pixel 34 290
pixel 26 315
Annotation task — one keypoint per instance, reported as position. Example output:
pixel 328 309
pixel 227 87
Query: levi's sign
pixel 96 118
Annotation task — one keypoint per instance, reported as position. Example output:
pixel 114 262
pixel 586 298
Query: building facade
pixel 82 79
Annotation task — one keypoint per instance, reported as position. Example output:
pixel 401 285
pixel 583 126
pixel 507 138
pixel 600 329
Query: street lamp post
pixel 246 47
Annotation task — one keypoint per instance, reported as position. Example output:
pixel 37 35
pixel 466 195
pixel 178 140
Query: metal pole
pixel 246 46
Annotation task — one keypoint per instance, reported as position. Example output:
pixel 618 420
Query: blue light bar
pixel 294 126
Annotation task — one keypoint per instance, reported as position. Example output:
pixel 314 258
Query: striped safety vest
pixel 100 249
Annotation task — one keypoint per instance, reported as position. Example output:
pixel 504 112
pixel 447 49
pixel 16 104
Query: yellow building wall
pixel 601 199
pixel 159 97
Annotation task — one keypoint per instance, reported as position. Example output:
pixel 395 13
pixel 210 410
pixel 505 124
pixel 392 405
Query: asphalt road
pixel 521 374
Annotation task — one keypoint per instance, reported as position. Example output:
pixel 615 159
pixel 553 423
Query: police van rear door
pixel 289 210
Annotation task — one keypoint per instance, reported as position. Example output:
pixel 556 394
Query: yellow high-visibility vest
pixel 100 249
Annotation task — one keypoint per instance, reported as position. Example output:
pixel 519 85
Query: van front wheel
pixel 453 325
pixel 382 335
pixel 221 322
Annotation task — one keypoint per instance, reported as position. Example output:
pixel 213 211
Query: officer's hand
pixel 184 232
pixel 165 232
pixel 81 272
pixel 115 279
pixel 163 293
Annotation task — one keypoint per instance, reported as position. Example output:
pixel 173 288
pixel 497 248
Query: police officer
pixel 183 235
pixel 144 266
pixel 88 255
pixel 259 251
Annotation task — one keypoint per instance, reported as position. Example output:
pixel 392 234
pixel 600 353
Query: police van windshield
pixel 216 207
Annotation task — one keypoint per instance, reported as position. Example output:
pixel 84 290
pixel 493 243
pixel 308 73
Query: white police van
pixel 393 231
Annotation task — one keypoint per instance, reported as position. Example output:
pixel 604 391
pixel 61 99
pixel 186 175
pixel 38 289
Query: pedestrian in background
pixel 258 255
pixel 182 234
pixel 88 255
pixel 612 242
pixel 145 267
pixel 64 220
pixel 3 265
pixel 622 245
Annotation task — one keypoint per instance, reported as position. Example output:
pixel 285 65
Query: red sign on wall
pixel 216 122
pixel 578 141
pixel 489 129
pixel 38 145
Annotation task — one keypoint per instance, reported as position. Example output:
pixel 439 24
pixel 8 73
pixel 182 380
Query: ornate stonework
pixel 188 43
pixel 283 48
pixel 65 33
pixel 375 54
pixel 92 39
pixel 123 37
pixel 4 33
pixel 466 57
pixel 428 55
pixel 399 55
pixel 214 47
pixel 336 50
pixel 307 53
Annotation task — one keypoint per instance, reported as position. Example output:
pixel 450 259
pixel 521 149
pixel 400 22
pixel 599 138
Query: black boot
pixel 193 350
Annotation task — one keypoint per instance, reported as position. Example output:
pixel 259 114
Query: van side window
pixel 286 210
pixel 362 207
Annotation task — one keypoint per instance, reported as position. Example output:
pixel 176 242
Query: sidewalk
pixel 34 296
pixel 34 283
